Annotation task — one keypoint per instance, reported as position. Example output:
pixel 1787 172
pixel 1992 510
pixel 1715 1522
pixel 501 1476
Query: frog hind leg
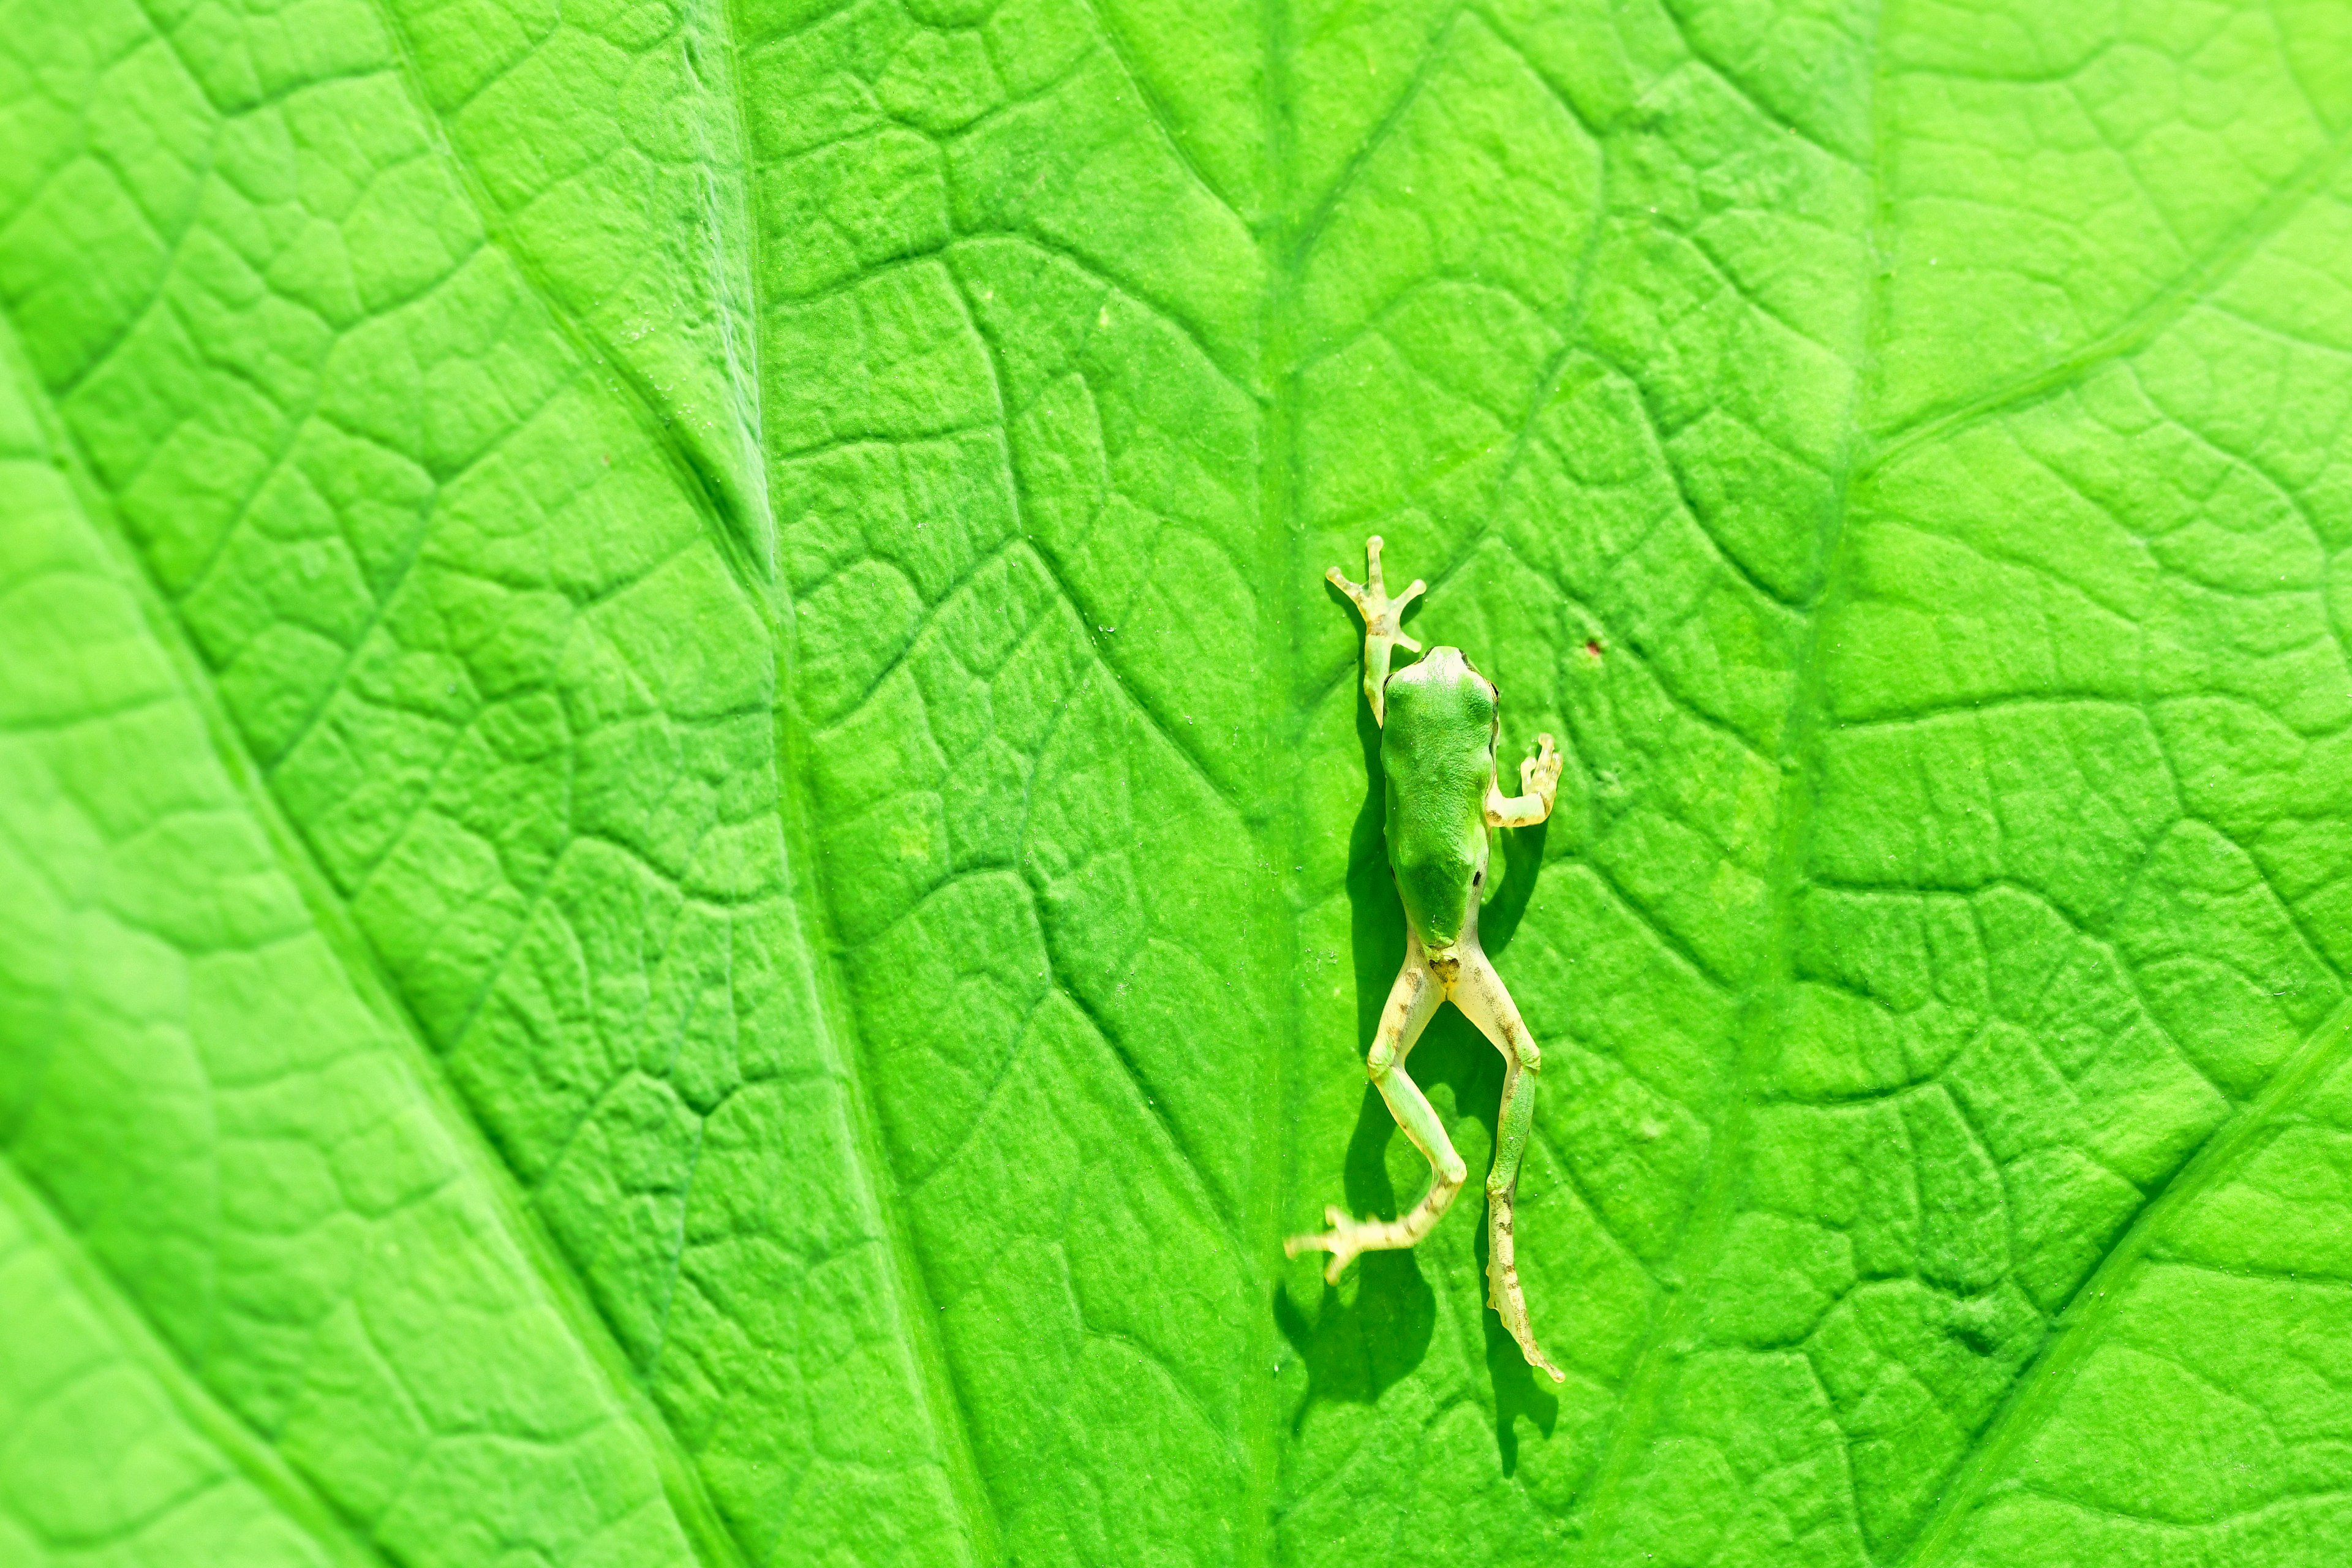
pixel 1481 993
pixel 1381 613
pixel 1412 1001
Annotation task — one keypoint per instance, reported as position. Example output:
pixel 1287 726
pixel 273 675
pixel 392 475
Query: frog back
pixel 1437 754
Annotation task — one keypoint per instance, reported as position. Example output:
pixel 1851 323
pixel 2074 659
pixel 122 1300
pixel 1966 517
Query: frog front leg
pixel 1538 787
pixel 1412 1000
pixel 1482 995
pixel 1381 614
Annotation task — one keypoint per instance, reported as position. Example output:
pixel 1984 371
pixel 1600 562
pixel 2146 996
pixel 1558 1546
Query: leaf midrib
pixel 835 1017
pixel 1278 657
pixel 703 489
pixel 1634 1426
pixel 762 586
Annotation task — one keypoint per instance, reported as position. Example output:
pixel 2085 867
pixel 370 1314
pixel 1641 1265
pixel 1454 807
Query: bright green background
pixel 686 872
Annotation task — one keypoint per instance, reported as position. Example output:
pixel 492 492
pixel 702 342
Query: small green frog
pixel 1439 724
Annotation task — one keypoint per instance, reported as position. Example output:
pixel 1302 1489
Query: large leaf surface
pixel 686 868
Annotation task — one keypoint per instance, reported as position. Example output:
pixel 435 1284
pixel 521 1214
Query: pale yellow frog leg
pixel 1381 613
pixel 1481 993
pixel 1412 1000
pixel 1538 787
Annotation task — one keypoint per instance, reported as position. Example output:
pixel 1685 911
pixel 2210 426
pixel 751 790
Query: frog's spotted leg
pixel 1481 993
pixel 1412 1000
pixel 1468 976
pixel 1381 613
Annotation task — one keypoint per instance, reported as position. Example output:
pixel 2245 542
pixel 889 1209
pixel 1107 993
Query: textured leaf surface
pixel 687 867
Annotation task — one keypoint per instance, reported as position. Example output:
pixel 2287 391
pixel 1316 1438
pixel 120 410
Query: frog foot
pixel 1382 635
pixel 1343 1241
pixel 1349 1235
pixel 1539 775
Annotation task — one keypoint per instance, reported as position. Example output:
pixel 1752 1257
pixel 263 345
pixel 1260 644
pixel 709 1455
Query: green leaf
pixel 690 870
